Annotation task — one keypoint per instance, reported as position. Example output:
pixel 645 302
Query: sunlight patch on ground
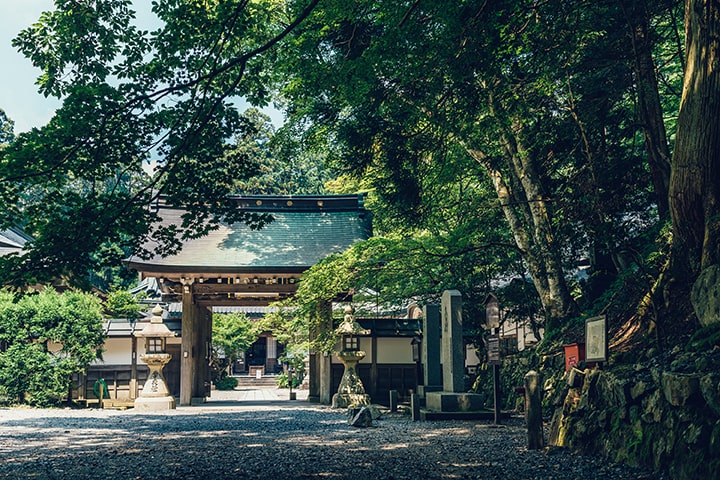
pixel 396 446
pixel 313 441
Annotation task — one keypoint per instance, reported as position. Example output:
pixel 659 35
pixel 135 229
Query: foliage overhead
pixel 130 97
pixel 518 118
pixel 123 304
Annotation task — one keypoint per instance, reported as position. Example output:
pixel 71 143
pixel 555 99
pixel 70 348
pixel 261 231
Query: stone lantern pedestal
pixel 351 390
pixel 155 395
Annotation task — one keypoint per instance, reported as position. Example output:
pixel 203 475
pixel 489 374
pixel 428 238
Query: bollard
pixel 415 406
pixel 533 411
pixel 393 400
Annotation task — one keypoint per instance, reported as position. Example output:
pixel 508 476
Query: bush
pixel 31 372
pixel 226 383
pixel 282 380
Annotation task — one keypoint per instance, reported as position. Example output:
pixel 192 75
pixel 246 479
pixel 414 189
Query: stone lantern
pixel 155 395
pixel 351 391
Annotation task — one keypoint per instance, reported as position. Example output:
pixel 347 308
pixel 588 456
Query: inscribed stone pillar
pixel 432 379
pixel 324 361
pixel 533 411
pixel 187 366
pixel 453 356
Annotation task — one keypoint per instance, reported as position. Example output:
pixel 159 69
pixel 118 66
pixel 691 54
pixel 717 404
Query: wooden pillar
pixel 133 365
pixel 373 365
pixel 200 347
pixel 314 370
pixel 187 364
pixel 313 376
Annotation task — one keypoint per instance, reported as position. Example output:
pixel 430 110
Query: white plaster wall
pixel 117 351
pixel 394 350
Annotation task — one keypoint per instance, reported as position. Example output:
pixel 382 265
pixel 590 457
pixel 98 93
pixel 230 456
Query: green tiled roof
pixel 302 233
pixel 12 240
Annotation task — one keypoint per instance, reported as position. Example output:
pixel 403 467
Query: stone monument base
pixel 454 406
pixel 345 400
pixel 423 390
pixel 454 402
pixel 154 404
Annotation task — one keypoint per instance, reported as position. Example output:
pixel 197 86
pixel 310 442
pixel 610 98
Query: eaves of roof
pixel 298 237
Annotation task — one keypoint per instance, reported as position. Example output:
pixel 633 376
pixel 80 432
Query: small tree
pixel 122 304
pixel 48 336
pixel 292 332
pixel 233 333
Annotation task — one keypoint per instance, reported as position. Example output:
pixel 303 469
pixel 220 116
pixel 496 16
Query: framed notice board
pixel 596 339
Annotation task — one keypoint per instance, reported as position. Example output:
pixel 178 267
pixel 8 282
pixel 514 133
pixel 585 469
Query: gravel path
pixel 274 440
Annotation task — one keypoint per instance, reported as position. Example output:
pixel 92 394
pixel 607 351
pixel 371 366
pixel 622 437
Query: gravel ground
pixel 274 440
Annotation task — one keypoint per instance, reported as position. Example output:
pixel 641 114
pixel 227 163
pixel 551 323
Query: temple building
pixel 235 265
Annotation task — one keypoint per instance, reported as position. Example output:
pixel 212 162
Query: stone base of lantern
pixel 345 400
pixel 154 404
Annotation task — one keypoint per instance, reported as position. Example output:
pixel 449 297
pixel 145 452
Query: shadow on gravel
pixel 273 444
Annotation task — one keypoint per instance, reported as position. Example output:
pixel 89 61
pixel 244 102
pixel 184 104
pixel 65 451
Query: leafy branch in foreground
pixel 131 96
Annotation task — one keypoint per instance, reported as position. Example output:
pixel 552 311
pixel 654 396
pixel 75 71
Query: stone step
pixel 264 381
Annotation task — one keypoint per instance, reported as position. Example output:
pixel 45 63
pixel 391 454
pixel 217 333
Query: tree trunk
pixel 530 225
pixel 695 177
pixel 651 115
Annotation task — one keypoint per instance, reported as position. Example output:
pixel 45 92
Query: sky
pixel 19 96
pixel 18 93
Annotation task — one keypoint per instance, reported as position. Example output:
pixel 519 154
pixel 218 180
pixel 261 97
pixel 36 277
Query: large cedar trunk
pixel 650 108
pixel 695 178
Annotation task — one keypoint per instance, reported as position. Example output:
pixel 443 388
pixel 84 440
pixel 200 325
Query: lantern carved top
pixel 156 327
pixel 349 326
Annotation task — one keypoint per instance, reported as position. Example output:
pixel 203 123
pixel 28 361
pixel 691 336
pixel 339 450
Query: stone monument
pixel 432 375
pixel 453 398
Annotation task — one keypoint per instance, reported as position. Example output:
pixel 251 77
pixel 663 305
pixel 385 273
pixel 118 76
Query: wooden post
pixel 200 353
pixel 415 406
pixel 496 393
pixel 324 360
pixel 533 412
pixel 133 365
pixel 393 400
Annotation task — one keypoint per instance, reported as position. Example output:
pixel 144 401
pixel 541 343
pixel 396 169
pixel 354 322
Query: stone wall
pixel 663 416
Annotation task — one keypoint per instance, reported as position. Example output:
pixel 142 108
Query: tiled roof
pixel 12 240
pixel 301 234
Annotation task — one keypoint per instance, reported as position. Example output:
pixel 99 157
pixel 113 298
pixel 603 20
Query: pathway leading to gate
pixel 256 394
pixel 260 434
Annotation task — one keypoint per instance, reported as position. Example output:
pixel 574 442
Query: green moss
pixel 705 339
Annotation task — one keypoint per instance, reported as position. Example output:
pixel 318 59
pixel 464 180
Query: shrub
pixel 282 380
pixel 226 383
